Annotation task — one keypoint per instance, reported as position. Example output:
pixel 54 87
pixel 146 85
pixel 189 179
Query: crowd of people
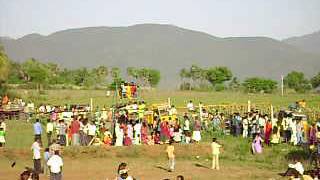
pixel 128 124
pixel 285 127
pixel 128 90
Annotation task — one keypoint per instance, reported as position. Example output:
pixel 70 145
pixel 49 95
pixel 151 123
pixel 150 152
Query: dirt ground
pixel 105 168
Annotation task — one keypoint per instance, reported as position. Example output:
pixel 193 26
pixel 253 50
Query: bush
pixel 255 84
pixel 219 87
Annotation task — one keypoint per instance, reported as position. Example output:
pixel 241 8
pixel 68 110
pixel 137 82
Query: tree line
pixel 39 75
pixel 35 74
pixel 220 78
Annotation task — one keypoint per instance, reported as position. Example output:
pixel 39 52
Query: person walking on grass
pixel 75 128
pixel 36 148
pixel 49 129
pixel 55 164
pixel 171 156
pixel 215 146
pixel 46 157
pixel 37 128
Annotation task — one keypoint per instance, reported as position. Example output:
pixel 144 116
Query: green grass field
pixel 148 162
pixel 179 98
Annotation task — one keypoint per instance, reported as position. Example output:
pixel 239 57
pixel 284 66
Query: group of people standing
pixel 128 90
pixel 282 128
pixel 52 161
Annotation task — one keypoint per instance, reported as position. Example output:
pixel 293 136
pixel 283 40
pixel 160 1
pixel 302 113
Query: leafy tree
pixel 133 73
pixel 185 74
pixel 100 74
pixel 4 65
pixel 116 79
pixel 297 81
pixel 154 77
pixel 66 76
pixel 16 75
pixel 315 81
pixel 4 69
pixel 234 84
pixel 36 72
pixel 196 73
pixel 81 77
pixel 218 75
pixel 219 87
pixel 256 84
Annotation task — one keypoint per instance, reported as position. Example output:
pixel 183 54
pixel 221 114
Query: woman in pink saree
pixel 257 145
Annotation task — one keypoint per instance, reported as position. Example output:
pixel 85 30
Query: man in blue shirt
pixel 37 130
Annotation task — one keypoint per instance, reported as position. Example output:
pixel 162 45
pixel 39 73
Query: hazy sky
pixel 273 18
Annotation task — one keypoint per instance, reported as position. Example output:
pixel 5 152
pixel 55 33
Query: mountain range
pixel 169 48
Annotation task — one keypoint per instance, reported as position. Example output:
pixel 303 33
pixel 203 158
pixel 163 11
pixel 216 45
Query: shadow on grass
pixel 201 166
pixel 300 154
pixel 162 168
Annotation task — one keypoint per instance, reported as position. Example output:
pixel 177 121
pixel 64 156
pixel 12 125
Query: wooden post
pixel 200 111
pixel 249 106
pixel 282 86
pixel 91 104
pixel 169 102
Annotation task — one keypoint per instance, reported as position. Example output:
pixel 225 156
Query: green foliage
pixel 154 77
pixel 4 70
pixel 219 87
pixel 201 77
pixel 256 84
pixel 36 72
pixel 80 76
pixel 4 65
pixel 234 84
pixel 16 74
pixel 115 82
pixel 315 81
pixel 196 72
pixel 144 76
pixel 133 73
pixel 297 81
pixel 218 75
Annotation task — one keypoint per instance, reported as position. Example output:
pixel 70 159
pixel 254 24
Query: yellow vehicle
pixel 163 112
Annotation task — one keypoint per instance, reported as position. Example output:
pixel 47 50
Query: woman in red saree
pixel 268 131
pixel 144 133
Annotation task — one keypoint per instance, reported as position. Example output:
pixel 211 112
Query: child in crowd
pixel 188 138
pixel 215 146
pixel 107 140
pixel 157 138
pixel 46 157
pixel 151 139
pixel 171 156
pixel 127 140
pixel 123 172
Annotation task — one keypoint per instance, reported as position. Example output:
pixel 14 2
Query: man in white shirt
pixel 36 156
pixel 91 131
pixel 190 106
pixel 173 111
pixel 55 165
pixel 186 126
pixel 49 129
pixel 137 129
pixel 295 169
pixel 215 147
